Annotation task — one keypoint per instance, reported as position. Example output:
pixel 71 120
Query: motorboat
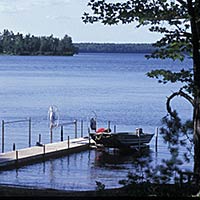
pixel 121 139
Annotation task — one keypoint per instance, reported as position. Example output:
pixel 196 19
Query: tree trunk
pixel 195 29
pixel 197 136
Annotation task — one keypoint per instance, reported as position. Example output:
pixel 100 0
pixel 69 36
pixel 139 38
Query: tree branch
pixel 179 93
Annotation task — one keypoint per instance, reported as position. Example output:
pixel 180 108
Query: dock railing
pixel 12 122
pixel 28 120
pixel 75 122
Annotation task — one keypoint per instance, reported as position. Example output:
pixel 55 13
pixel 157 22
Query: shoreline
pixel 134 190
pixel 15 190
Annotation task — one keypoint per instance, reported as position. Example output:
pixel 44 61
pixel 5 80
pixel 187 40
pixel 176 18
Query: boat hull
pixel 121 139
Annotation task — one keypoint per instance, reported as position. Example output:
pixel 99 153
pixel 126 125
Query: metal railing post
pixel 108 125
pixel 2 136
pixel 75 127
pixel 81 128
pixel 115 128
pixel 39 138
pixel 68 141
pixel 14 147
pixel 61 133
pixel 29 122
pixel 51 135
pixel 156 145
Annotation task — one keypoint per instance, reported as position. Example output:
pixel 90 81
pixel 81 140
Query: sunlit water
pixel 114 86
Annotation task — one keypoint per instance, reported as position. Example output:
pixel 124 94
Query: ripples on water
pixel 77 171
pixel 113 85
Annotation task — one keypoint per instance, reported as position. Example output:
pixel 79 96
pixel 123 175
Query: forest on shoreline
pixel 114 47
pixel 19 44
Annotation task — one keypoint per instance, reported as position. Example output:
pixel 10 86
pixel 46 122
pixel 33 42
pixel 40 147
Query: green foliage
pixel 165 76
pixel 182 76
pixel 100 186
pixel 177 134
pixel 169 18
pixel 17 44
pixel 114 48
pixel 179 24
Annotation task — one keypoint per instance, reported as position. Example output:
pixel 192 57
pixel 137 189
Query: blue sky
pixel 60 17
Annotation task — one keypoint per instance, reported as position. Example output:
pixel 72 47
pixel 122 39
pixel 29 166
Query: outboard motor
pixel 139 131
pixel 93 124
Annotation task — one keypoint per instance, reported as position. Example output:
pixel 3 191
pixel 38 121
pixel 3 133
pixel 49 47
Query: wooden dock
pixel 30 155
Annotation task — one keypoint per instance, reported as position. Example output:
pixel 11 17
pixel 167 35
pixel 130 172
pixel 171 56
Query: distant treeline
pixel 114 48
pixel 18 44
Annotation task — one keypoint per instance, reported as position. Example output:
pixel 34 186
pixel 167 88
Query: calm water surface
pixel 114 86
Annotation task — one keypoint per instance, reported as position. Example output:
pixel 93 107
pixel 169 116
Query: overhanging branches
pixel 179 93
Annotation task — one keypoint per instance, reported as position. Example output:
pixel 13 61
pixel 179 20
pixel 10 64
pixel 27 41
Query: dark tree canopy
pixel 18 44
pixel 170 18
pixel 178 21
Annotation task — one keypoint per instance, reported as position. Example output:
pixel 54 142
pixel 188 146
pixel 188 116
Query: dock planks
pixel 21 157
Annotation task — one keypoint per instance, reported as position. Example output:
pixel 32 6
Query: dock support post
pixel 81 128
pixel 61 134
pixel 29 122
pixel 13 146
pixel 68 142
pixel 51 135
pixel 17 155
pixel 108 124
pixel 89 135
pixel 115 128
pixel 44 149
pixel 2 136
pixel 39 138
pixel 156 145
pixel 75 127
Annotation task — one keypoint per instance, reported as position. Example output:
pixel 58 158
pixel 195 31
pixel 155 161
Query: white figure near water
pixel 53 116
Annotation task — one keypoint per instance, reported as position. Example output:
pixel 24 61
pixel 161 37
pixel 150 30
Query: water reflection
pixel 78 171
pixel 130 99
pixel 118 159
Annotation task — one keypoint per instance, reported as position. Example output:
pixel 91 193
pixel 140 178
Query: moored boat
pixel 122 139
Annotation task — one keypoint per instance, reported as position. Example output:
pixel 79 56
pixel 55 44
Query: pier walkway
pixel 17 158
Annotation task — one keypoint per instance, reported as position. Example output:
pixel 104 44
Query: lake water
pixel 114 86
